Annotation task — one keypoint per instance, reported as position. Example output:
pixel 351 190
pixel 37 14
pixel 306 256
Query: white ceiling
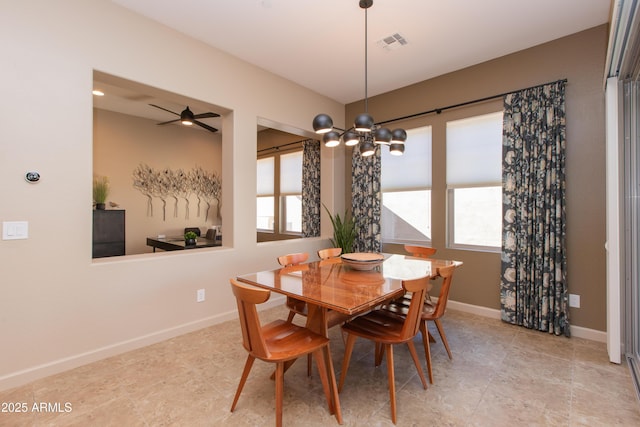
pixel 319 44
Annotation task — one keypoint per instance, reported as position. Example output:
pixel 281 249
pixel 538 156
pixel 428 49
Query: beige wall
pixel 578 58
pixel 122 142
pixel 58 308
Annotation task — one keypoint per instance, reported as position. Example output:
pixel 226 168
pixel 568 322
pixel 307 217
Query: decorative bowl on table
pixel 362 260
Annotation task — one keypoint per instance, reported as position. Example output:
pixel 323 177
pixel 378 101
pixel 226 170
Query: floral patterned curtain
pixel 310 188
pixel 366 200
pixel 533 281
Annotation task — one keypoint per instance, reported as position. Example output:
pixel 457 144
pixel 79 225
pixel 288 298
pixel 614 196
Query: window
pixel 406 191
pixel 474 182
pixel 279 203
pixel 265 192
pixel 291 192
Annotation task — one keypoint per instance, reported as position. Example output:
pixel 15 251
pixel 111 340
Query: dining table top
pixel 336 285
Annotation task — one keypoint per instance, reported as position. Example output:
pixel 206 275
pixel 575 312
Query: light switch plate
pixel 14 230
pixel 574 300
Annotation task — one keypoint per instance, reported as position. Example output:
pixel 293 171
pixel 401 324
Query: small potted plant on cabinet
pixel 100 191
pixel 190 238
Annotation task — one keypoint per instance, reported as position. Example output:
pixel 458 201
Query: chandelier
pixel 364 130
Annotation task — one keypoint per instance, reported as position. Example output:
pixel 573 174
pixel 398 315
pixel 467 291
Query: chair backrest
pixel 420 251
pixel 293 259
pixel 418 288
pixel 447 275
pixel 211 234
pixel 247 297
pixel 194 229
pixel 329 253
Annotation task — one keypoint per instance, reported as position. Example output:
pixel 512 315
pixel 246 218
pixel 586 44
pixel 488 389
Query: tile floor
pixel 501 375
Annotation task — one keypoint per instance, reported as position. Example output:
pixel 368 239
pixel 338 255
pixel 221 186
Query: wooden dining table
pixel 335 292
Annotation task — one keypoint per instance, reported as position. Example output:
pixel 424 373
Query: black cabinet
pixel 108 233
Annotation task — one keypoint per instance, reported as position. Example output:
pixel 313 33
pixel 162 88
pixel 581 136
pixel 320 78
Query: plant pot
pixel 100 206
pixel 190 242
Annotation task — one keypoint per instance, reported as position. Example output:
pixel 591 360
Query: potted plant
pixel 190 238
pixel 100 191
pixel 344 231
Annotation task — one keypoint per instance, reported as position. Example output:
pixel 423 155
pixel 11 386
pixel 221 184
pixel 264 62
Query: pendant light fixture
pixel 364 131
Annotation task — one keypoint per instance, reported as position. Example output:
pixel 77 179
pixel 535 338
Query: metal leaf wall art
pixel 178 184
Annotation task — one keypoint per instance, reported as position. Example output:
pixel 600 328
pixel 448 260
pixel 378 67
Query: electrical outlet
pixel 574 300
pixel 200 295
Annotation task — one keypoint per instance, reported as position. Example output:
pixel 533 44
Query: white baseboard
pixel 576 331
pixel 16 379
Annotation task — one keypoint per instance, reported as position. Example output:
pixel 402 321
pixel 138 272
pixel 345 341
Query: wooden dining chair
pixel 420 251
pixel 330 254
pixel 279 342
pixel 430 313
pixel 386 329
pixel 295 306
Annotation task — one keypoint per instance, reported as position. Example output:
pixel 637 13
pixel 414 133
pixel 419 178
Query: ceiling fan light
pixel 398 136
pixel 331 139
pixel 363 123
pixel 367 149
pixel 351 138
pixel 186 117
pixel 322 123
pixel 396 149
pixel 382 136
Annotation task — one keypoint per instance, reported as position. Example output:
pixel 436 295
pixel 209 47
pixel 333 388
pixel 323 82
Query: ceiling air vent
pixel 392 42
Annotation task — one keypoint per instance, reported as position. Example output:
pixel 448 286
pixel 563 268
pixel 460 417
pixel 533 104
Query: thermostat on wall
pixel 32 177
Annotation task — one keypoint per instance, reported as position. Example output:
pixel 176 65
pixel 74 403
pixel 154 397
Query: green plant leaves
pixel 344 231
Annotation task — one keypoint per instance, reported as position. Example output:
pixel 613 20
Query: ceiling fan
pixel 188 118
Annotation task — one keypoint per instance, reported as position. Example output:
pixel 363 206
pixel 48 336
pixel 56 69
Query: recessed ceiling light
pixel 97 92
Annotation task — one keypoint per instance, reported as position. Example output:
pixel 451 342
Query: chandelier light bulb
pixel 398 136
pixel 351 138
pixel 367 148
pixel 322 123
pixel 396 149
pixel 382 136
pixel 363 123
pixel 331 139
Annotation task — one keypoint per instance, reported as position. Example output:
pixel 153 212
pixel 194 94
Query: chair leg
pixel 414 356
pixel 332 382
pixel 292 314
pixel 427 348
pixel 392 381
pixel 379 353
pixel 443 336
pixel 351 340
pixel 279 392
pixel 245 373
pixel 308 365
pixel 322 371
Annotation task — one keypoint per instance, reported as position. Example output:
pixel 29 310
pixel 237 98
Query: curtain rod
pixel 464 104
pixel 277 147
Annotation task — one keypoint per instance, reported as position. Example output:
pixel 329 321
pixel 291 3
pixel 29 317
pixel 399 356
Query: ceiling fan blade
pixel 170 121
pixel 212 129
pixel 206 115
pixel 162 108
